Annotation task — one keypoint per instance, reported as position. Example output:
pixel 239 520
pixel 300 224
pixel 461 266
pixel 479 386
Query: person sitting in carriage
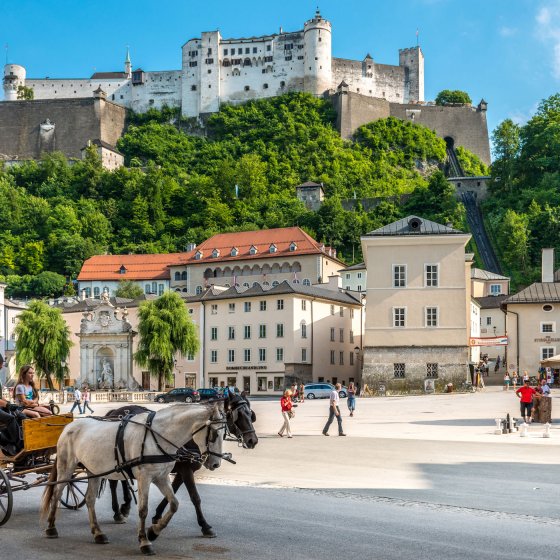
pixel 11 440
pixel 26 394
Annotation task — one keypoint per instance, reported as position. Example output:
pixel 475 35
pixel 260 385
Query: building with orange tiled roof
pixel 265 257
pixel 104 272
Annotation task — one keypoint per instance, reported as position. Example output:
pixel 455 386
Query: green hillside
pixel 179 188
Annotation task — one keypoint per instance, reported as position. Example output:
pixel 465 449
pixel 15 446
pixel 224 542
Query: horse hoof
pixel 125 511
pixel 101 539
pixel 119 518
pixel 209 533
pixel 150 535
pixel 51 533
pixel 155 520
pixel 147 550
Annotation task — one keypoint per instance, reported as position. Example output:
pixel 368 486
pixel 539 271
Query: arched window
pixel 88 292
pixel 96 291
pixel 247 62
pixel 275 283
pixel 178 290
pixel 306 282
pixel 245 284
pixel 265 86
pixel 184 275
pixel 147 289
pixel 177 276
pixel 185 290
pixel 282 84
pixel 198 290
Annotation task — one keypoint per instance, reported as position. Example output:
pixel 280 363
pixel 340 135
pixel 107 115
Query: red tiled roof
pixel 261 239
pixel 138 267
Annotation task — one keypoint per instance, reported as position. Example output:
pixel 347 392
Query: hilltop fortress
pixel 217 70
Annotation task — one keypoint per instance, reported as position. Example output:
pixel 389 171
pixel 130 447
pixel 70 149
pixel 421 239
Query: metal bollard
pixel 546 433
pixel 498 430
pixel 524 430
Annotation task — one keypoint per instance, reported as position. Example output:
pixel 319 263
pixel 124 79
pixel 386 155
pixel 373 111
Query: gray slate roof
pixel 358 266
pixel 490 302
pixel 479 274
pixel 402 227
pixel 89 303
pixel 539 292
pixel 340 296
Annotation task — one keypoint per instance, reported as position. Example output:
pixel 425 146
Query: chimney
pixel 335 282
pixel 548 265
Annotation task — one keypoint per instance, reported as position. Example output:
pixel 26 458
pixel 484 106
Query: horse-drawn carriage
pixel 30 466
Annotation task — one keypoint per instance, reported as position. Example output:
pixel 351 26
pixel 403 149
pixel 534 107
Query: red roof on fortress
pixel 256 245
pixel 129 267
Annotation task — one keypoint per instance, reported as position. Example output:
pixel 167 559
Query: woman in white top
pixel 26 394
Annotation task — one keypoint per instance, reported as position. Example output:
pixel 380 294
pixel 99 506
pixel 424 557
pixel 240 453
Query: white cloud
pixel 508 31
pixel 548 30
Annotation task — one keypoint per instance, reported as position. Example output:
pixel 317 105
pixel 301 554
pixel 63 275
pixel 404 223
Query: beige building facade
pixel 418 309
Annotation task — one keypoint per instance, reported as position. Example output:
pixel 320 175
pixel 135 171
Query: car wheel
pixel 342 395
pixel 188 399
pixel 310 396
pixel 160 400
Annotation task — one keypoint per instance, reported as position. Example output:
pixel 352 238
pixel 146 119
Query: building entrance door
pixel 247 384
pixel 146 380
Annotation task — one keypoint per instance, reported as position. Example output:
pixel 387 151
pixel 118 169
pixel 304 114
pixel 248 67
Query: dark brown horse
pixel 240 420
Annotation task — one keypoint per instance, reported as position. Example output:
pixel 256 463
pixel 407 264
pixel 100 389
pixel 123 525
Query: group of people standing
pixel 82 398
pixel 287 403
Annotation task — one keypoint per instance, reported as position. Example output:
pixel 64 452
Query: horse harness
pixel 234 409
pixel 125 466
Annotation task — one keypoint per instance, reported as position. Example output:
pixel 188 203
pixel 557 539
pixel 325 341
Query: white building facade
pixel 216 70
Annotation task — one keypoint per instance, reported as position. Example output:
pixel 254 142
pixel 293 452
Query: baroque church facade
pixel 216 70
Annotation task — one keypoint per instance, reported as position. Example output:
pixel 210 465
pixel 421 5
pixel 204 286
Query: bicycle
pixel 468 387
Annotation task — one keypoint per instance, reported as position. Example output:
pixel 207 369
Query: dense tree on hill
pixel 182 188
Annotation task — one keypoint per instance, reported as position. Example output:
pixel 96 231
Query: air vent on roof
pixel 414 224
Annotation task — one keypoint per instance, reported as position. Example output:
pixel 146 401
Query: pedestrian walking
pixel 294 391
pixel 86 395
pixel 507 381
pixel 351 398
pixel 77 400
pixel 301 392
pixel 525 395
pixel 286 406
pixel 334 411
pixel 514 380
pixel 526 376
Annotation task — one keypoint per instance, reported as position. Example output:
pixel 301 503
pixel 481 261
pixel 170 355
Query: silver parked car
pixel 321 391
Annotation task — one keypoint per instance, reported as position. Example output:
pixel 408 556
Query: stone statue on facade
pixel 105 381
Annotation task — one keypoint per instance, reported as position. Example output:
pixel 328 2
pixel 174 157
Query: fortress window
pixel 254 50
pixel 265 86
pixel 239 51
pixel 300 57
pixel 288 46
pixel 209 71
pixel 268 59
pixel 287 58
pixel 209 61
pixel 122 97
pixel 112 96
pixel 193 63
pixel 209 51
pixel 209 86
pixel 75 91
pixel 282 84
pixel 247 88
pixel 247 50
pixel 193 88
pixel 225 52
pixel 269 47
pixel 300 47
pixel 226 62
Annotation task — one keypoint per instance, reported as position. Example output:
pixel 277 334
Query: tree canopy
pixel 451 97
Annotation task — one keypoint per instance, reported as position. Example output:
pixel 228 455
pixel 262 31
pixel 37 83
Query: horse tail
pixel 48 493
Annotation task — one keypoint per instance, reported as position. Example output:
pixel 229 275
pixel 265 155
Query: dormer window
pixel 215 253
pixel 253 250
pixel 273 248
pixel 293 246
pixel 122 269
pixel 234 252
pixel 198 255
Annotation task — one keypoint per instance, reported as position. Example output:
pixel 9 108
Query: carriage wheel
pixel 74 494
pixel 6 498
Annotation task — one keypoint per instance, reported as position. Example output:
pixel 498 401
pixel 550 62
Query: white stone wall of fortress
pixel 386 82
pixel 318 56
pixel 159 89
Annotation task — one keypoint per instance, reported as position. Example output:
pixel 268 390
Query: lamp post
pixel 61 383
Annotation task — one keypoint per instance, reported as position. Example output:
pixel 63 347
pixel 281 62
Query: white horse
pixel 92 443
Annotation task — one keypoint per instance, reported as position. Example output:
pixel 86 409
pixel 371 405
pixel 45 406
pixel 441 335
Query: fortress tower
pixel 317 77
pixel 412 60
pixel 14 76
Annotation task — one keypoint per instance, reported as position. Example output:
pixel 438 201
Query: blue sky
pixel 507 51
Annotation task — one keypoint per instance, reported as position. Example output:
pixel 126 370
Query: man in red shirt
pixel 525 394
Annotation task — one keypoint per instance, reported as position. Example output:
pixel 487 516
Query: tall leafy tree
pixel 166 330
pixel 129 289
pixel 43 339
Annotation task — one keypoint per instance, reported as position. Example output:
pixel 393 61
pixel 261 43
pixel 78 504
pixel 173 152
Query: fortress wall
pixel 354 110
pixel 158 89
pixel 75 122
pixel 77 88
pixel 466 125
pixel 390 83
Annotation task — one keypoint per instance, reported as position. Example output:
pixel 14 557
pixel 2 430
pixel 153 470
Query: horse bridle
pixel 210 424
pixel 233 410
